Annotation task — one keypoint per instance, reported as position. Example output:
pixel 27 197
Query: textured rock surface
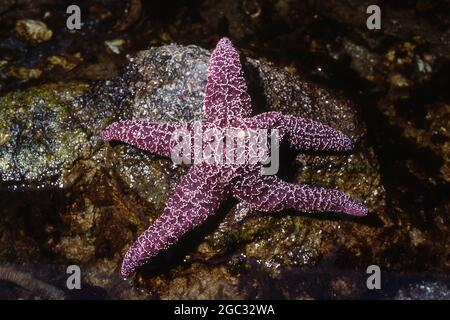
pixel 39 138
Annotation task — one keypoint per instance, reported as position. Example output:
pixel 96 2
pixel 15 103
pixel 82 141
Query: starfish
pixel 198 195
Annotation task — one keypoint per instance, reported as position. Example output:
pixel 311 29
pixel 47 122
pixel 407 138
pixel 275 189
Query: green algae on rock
pixel 39 137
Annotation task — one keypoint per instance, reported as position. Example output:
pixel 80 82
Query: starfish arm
pixel 196 197
pixel 304 134
pixel 146 135
pixel 269 193
pixel 226 91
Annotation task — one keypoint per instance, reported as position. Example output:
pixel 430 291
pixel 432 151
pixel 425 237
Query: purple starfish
pixel 199 193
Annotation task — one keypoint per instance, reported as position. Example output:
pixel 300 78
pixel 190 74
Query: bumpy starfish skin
pixel 200 192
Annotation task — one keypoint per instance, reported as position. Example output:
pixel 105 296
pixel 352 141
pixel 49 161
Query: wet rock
pixel 402 72
pixel 364 62
pixel 33 31
pixel 424 291
pixel 167 83
pixel 49 134
pixel 23 73
pixel 430 134
pixel 66 62
pixel 39 136
pixel 196 282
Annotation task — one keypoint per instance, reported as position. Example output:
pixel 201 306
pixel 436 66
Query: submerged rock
pixel 113 192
